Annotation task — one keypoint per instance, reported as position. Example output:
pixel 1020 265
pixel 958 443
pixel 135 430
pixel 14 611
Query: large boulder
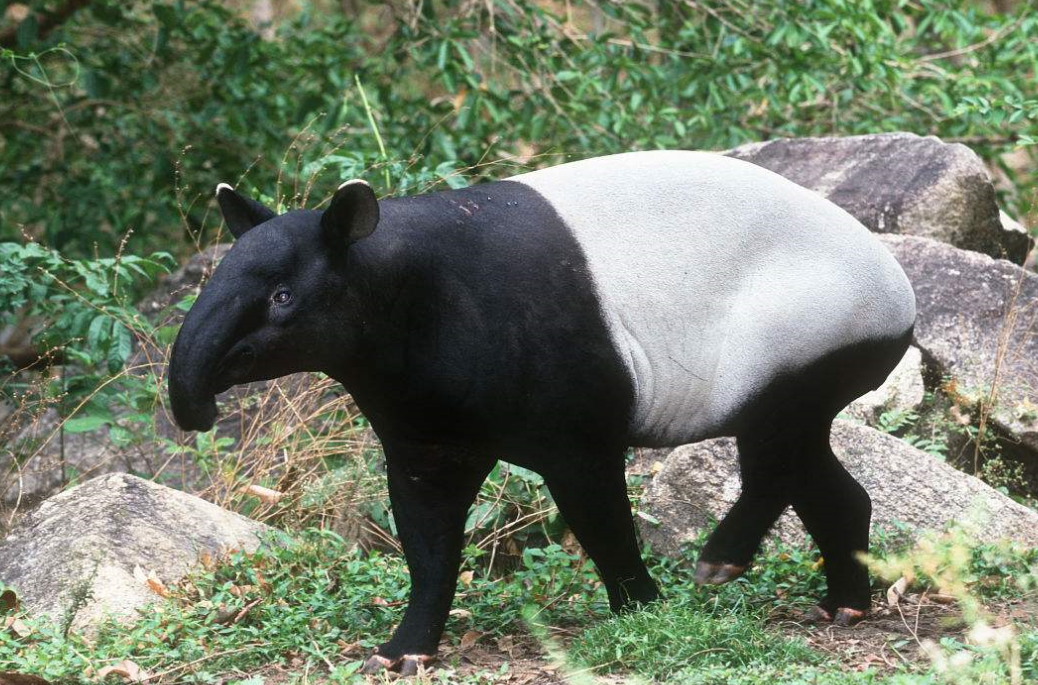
pixel 91 551
pixel 899 183
pixel 977 322
pixel 910 489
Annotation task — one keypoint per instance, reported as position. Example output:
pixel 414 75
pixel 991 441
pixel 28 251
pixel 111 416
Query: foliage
pixel 82 307
pixel 81 312
pixel 175 96
pixel 308 597
pixel 318 602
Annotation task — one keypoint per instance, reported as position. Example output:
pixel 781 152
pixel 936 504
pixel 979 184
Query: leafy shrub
pixel 128 113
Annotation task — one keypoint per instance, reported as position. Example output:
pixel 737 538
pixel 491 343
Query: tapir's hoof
pixel 708 573
pixel 377 664
pixel 845 617
pixel 407 665
pixel 817 614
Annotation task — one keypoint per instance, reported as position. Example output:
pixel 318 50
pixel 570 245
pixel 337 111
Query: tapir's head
pixel 274 305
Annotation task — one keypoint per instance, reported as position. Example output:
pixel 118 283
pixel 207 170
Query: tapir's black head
pixel 275 303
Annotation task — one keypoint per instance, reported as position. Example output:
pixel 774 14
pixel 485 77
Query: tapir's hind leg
pixel 836 511
pixel 591 493
pixel 785 458
pixel 764 467
pixel 798 468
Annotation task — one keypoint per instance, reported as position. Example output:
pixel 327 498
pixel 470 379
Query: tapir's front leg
pixel 431 488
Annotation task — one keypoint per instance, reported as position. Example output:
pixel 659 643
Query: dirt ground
pixel 893 637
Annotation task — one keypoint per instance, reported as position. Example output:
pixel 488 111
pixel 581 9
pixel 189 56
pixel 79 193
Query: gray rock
pixel 74 557
pixel 910 487
pixel 899 183
pixel 978 322
pixel 902 391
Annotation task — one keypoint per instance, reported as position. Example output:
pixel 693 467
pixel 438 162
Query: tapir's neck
pixel 389 295
pixel 459 304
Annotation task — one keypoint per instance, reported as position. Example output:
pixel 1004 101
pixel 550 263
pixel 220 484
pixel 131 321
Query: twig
pixel 975 46
pixel 1008 325
pixel 208 657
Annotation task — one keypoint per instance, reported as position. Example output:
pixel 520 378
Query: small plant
pixel 955 565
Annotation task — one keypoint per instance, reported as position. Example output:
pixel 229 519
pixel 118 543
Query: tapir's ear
pixel 353 213
pixel 241 213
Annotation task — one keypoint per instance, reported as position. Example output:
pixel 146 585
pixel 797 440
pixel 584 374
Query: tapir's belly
pixel 715 275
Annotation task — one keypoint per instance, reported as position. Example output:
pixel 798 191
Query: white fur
pixel 715 275
pixel 223 186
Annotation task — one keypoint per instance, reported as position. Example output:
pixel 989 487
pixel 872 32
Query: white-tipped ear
pixel 353 181
pixel 239 212
pixel 353 213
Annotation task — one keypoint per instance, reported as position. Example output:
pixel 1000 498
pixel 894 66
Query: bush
pixel 128 113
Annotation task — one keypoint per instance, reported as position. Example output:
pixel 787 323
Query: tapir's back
pixel 716 275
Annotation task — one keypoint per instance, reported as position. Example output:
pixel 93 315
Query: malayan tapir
pixel 552 320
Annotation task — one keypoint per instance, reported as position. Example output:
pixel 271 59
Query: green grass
pixel 689 634
pixel 306 602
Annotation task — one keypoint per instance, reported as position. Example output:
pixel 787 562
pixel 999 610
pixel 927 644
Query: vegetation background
pixel 117 118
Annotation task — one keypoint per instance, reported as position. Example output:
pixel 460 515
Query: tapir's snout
pixel 203 355
pixel 194 416
pixel 190 394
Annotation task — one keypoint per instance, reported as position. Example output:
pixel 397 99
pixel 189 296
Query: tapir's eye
pixel 281 296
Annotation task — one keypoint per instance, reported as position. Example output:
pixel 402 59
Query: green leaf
pixel 84 424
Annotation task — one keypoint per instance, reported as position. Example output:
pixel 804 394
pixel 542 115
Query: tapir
pixel 552 320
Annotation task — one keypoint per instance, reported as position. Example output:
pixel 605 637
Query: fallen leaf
pixel 461 613
pixel 264 586
pixel 459 99
pixel 657 466
pixel 150 579
pixel 245 611
pixel 8 600
pixel 265 495
pixel 469 639
pixel 506 644
pixel 350 648
pixel 127 670
pixel 466 577
pixel 896 591
pixel 158 587
pixel 17 627
pixel 942 598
